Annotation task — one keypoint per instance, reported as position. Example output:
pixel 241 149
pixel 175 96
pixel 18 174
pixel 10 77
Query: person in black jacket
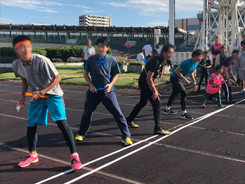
pixel 205 64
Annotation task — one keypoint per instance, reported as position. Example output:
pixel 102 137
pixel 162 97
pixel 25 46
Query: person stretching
pixel 186 67
pixel 154 67
pixel 214 86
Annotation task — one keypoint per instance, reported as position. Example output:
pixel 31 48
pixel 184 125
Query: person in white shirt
pixel 240 67
pixel 148 50
pixel 140 57
pixel 88 51
pixel 239 46
pixel 159 47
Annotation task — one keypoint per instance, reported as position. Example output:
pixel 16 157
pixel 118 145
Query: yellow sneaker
pixel 127 141
pixel 161 131
pixel 133 125
pixel 78 138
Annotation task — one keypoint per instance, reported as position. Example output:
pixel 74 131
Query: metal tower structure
pixel 225 18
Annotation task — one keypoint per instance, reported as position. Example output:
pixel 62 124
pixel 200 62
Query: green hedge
pixel 59 52
pixel 136 63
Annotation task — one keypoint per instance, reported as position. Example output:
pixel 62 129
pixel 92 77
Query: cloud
pixel 88 11
pixel 5 21
pixel 116 4
pixel 32 5
pixel 158 23
pixel 80 6
pixel 38 5
pixel 156 7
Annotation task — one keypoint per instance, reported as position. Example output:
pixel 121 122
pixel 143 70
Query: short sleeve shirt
pixel 154 65
pixel 148 50
pixel 140 57
pixel 207 63
pixel 187 67
pixel 227 62
pixel 38 73
pixel 87 50
pixel 100 75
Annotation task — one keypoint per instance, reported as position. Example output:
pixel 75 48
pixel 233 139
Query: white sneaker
pixel 242 91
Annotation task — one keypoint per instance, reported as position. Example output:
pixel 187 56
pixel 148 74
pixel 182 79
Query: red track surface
pixel 211 151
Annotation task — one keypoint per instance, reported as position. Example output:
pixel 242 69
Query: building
pixel 94 20
pixel 192 24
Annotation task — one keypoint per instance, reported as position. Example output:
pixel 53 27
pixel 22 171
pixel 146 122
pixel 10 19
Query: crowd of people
pixel 101 72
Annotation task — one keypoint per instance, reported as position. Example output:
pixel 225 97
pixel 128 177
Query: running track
pixel 209 149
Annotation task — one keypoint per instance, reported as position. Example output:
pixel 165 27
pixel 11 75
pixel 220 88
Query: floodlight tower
pixel 225 18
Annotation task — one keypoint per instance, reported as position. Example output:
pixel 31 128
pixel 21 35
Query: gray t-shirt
pixel 38 73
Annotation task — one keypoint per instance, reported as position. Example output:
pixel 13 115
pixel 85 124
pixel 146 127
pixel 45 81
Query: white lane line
pixel 70 170
pixel 100 158
pixel 204 153
pixel 147 145
pixel 90 162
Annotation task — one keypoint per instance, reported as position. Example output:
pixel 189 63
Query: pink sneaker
pixel 75 162
pixel 28 161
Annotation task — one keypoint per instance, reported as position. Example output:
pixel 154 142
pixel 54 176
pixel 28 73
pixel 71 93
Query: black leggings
pixel 201 80
pixel 145 95
pixel 177 88
pixel 65 129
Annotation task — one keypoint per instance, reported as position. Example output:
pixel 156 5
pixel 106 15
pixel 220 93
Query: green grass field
pixel 73 75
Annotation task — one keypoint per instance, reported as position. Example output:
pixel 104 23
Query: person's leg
pixel 183 99
pixel 175 88
pixel 56 106
pixel 226 90
pixel 206 80
pixel 218 96
pixel 213 65
pixel 84 64
pixel 111 104
pixel 142 103
pixel 200 83
pixel 92 101
pixel 67 134
pixel 205 97
pixel 32 139
pixel 230 94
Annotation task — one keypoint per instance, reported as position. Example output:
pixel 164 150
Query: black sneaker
pixel 186 116
pixel 202 106
pixel 221 106
pixel 160 131
pixel 169 112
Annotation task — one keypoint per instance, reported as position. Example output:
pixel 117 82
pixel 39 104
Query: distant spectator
pixel 148 50
pixel 88 51
pixel 216 49
pixel 140 57
pixel 159 47
pixel 239 46
pixel 240 67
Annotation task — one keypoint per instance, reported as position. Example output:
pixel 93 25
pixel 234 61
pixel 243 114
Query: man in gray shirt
pixel 38 73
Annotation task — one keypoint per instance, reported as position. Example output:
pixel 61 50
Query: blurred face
pixel 102 49
pixel 24 51
pixel 216 39
pixel 236 57
pixel 169 54
pixel 221 70
pixel 243 47
pixel 205 55
pixel 198 58
pixel 222 51
pixel 89 43
pixel 243 37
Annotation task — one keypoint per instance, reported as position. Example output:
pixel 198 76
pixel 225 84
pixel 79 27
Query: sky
pixel 124 13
